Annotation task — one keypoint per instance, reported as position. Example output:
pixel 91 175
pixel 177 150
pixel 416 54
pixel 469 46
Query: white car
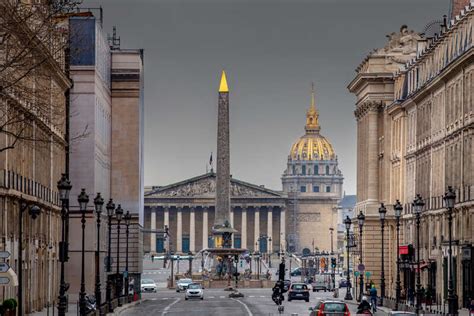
pixel 182 284
pixel 148 285
pixel 194 290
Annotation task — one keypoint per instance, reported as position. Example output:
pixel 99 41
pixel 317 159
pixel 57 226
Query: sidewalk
pixel 72 310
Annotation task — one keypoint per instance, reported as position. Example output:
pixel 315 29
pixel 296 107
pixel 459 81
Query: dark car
pixel 295 272
pixel 298 291
pixel 286 285
pixel 330 308
pixel 343 283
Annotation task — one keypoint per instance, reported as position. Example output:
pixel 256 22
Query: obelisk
pixel 222 210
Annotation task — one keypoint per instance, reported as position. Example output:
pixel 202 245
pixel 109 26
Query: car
pixel 194 290
pixel 330 308
pixel 296 272
pixel 400 313
pixel 183 284
pixel 298 291
pixel 343 283
pixel 321 283
pixel 148 285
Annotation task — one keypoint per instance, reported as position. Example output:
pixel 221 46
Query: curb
pixel 120 310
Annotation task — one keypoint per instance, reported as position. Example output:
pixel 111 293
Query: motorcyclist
pixel 277 295
pixel 364 306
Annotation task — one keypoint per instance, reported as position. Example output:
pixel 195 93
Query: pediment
pixel 205 187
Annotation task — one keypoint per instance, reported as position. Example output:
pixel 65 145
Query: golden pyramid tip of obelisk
pixel 223 86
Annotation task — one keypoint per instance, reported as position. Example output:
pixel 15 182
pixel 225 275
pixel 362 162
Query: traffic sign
pixel 4 254
pixel 361 267
pixel 4 280
pixel 356 273
pixel 368 274
pixel 4 267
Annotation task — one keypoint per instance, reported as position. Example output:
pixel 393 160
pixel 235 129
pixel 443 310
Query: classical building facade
pixel 415 117
pixel 106 146
pixel 32 151
pixel 296 218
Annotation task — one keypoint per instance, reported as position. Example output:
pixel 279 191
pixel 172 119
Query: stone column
pixel 231 221
pixel 205 224
pixel 244 227
pixel 153 227
pixel 283 228
pixel 373 154
pixel 166 220
pixel 270 227
pixel 192 230
pixel 179 230
pixel 257 226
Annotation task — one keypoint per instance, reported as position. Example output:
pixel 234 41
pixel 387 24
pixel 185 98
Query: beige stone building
pixel 415 126
pixel 32 150
pixel 296 218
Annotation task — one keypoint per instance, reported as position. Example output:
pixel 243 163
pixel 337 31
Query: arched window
pixel 303 169
pixel 327 169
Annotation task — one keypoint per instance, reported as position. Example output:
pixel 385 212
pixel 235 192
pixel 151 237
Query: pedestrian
pixel 471 308
pixel 152 258
pixel 411 296
pixel 373 297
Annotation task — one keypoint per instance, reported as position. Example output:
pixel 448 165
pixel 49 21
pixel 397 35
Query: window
pixel 328 188
pixel 303 169
pixel 316 171
pixel 303 188
pixel 294 169
pixel 327 169
pixel 316 188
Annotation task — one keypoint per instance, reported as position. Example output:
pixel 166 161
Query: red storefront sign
pixel 403 250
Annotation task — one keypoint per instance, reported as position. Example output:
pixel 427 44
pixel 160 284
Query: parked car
pixel 330 308
pixel 296 272
pixel 148 285
pixel 194 290
pixel 343 283
pixel 298 291
pixel 183 284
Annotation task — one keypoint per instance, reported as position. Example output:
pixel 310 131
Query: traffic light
pixel 333 262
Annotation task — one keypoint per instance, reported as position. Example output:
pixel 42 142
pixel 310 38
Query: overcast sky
pixel 271 51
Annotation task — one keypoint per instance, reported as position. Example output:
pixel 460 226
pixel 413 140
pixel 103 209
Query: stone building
pixel 415 118
pixel 32 151
pixel 107 107
pixel 293 218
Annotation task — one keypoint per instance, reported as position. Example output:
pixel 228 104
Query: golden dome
pixel 312 145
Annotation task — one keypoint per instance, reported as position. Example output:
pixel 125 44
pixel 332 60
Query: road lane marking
pixel 167 308
pixel 245 305
pixel 211 296
pixel 252 296
pixel 221 296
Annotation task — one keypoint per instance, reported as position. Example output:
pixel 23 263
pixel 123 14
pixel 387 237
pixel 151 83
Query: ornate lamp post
pixel 127 219
pixel 449 200
pixel 110 212
pixel 361 220
pixel 382 213
pixel 64 187
pixel 348 223
pixel 98 203
pixel 118 285
pixel 398 212
pixel 83 199
pixel 418 207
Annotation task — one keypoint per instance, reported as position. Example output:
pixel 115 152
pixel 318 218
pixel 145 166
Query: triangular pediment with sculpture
pixel 205 186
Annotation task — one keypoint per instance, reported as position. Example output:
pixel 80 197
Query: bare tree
pixel 34 39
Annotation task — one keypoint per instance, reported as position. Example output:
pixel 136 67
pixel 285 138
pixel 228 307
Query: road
pixel 216 301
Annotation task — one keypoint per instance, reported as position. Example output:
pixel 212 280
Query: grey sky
pixel 271 51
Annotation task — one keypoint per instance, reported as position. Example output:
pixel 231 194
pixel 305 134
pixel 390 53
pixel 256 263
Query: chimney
pixel 457 6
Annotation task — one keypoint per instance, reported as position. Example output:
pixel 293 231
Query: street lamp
pixel 127 219
pixel 64 187
pixel 83 199
pixel 382 213
pixel 34 211
pixel 118 284
pixel 348 223
pixel 398 213
pixel 98 203
pixel 333 276
pixel 449 200
pixel 110 212
pixel 361 220
pixel 418 207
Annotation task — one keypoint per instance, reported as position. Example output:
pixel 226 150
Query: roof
pixel 348 201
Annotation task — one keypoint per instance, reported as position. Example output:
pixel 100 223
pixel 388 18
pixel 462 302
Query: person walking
pixel 373 298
